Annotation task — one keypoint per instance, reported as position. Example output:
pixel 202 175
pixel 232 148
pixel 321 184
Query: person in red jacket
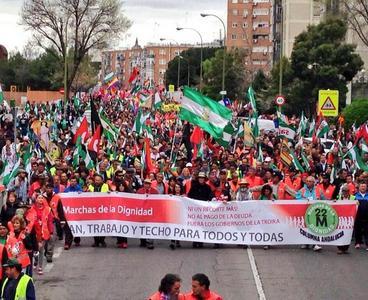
pixel 201 289
pixel 169 288
pixel 40 216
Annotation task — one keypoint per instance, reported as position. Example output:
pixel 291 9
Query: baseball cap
pixel 12 263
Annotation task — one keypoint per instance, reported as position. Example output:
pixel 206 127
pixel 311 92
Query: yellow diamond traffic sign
pixel 328 103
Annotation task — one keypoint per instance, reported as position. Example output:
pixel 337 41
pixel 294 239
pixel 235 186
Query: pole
pixel 66 65
pixel 188 74
pixel 178 71
pixel 281 49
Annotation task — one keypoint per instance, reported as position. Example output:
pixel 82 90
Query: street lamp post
pixel 224 58
pixel 201 67
pixel 163 39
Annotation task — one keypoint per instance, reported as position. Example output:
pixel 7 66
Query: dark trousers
pixel 121 240
pixel 361 230
pixel 69 236
pixel 99 239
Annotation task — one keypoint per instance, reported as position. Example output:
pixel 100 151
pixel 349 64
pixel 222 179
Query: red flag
pixel 134 74
pixel 94 143
pixel 197 135
pixel 362 132
pixel 82 131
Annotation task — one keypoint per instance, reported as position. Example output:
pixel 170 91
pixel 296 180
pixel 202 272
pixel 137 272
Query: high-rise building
pixel 249 26
pixel 152 60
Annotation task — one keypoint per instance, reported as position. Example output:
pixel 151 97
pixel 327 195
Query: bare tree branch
pixel 357 16
pixel 91 24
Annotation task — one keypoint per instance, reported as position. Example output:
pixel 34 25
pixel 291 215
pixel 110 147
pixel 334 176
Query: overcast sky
pixel 152 20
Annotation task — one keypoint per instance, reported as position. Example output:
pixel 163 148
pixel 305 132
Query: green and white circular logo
pixel 321 218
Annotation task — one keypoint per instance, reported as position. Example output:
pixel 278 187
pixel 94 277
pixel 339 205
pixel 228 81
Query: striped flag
pixel 10 172
pixel 252 98
pixel 111 132
pixel 227 135
pixel 204 112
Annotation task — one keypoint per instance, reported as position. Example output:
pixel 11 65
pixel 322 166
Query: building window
pixel 162 71
pixel 260 12
pixel 151 52
pixel 235 12
pixel 235 25
pixel 233 37
pixel 234 1
pixel 245 25
pixel 162 51
pixel 245 13
pixel 162 62
pixel 244 36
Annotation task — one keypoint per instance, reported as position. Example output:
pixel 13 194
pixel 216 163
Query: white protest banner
pixel 282 222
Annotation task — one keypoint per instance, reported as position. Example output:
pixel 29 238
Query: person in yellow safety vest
pixel 98 186
pixel 17 286
pixel 169 288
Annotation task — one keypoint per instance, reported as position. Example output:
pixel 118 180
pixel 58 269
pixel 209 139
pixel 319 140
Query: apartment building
pixel 152 61
pixel 249 26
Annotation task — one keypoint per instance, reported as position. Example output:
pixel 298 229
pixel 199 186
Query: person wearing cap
pixel 244 193
pixel 16 285
pixel 326 187
pixel 20 185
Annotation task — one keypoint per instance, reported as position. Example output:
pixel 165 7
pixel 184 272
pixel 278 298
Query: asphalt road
pixel 134 273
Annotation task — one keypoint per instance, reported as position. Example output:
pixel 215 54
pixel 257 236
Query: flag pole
pixel 173 139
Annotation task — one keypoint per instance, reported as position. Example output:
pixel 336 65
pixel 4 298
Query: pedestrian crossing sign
pixel 328 103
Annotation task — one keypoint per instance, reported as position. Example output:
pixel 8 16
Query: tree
pixel 193 57
pixel 235 75
pixel 91 24
pixel 320 60
pixel 357 16
pixel 356 112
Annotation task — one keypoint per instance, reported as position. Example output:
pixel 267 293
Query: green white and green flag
pixel 286 130
pixel 204 112
pixel 76 102
pixel 110 131
pixel 88 161
pixel 140 120
pixel 227 135
pixel 296 162
pixel 312 126
pixel 1 96
pixel 305 161
pixel 254 123
pixel 356 157
pixel 323 129
pixel 302 125
pixel 252 98
pixel 158 100
pixel 10 172
pixel 260 153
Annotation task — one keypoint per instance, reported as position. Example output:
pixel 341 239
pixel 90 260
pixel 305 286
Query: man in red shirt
pixel 147 189
pixel 326 187
pixel 201 289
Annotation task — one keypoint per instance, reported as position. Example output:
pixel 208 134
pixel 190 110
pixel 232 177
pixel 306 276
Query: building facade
pixel 152 60
pixel 249 26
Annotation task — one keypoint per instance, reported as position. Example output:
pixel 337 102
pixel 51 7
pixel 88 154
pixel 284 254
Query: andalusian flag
pixel 158 100
pixel 110 131
pixel 10 173
pixel 260 153
pixel 140 120
pixel 302 125
pixel 1 95
pixel 252 98
pixel 227 136
pixel 286 130
pixel 296 162
pixel 305 161
pixel 323 129
pixel 204 112
pixel 254 122
pixel 356 157
pixel 312 126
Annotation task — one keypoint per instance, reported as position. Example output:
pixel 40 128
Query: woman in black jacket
pixel 9 208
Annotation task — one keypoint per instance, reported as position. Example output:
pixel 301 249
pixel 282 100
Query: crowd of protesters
pixel 32 217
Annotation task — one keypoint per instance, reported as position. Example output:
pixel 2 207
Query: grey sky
pixel 152 19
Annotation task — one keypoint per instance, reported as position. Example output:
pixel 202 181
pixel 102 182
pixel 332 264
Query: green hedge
pixel 356 112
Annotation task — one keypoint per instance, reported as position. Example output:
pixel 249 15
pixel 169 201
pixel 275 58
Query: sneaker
pixel 150 247
pixel 357 246
pixel 177 244
pixel 40 272
pixel 172 246
pixel 317 248
pixel 49 259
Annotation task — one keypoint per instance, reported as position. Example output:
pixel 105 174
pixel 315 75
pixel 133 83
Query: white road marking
pixel 256 276
pixel 57 253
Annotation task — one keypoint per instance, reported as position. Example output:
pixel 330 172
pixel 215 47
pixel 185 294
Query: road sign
pixel 280 100
pixel 171 88
pixel 223 93
pixel 328 103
